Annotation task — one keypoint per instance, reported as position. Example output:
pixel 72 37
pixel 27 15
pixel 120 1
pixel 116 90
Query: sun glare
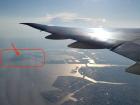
pixel 100 34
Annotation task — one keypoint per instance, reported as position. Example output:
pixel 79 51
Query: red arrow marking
pixel 17 52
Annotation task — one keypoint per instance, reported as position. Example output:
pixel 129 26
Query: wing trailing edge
pixel 82 45
pixel 56 37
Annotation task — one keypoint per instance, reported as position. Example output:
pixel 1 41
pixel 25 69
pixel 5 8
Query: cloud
pixel 72 18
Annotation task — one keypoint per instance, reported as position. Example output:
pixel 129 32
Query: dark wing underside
pixel 130 50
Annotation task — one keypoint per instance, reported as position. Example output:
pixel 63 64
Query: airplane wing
pixel 129 49
pixel 125 42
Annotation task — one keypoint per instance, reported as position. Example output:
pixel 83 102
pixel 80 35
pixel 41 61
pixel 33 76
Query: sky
pixel 75 13
pixel 89 13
